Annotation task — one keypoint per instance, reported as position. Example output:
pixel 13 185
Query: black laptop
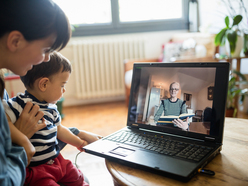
pixel 164 148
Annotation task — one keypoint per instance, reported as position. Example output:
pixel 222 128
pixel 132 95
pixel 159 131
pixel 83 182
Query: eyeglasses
pixel 176 89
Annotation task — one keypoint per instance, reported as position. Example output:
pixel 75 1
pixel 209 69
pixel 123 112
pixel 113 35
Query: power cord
pixel 76 159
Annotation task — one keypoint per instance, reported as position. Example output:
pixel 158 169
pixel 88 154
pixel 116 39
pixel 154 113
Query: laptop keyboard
pixel 161 145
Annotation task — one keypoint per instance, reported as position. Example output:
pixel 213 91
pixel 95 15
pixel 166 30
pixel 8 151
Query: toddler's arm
pixel 65 135
pixel 88 136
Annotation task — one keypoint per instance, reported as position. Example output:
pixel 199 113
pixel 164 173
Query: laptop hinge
pixel 211 139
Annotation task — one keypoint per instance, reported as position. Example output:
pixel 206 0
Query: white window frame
pixel 116 27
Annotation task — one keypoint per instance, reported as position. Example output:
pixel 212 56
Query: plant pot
pixel 238 49
pixel 229 112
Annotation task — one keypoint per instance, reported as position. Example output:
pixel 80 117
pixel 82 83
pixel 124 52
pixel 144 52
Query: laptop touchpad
pixel 122 151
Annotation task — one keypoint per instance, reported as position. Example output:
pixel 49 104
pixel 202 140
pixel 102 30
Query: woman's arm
pixel 13 159
pixel 20 139
pixel 65 135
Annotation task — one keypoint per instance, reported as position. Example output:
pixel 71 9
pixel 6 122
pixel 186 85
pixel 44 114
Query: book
pixel 170 118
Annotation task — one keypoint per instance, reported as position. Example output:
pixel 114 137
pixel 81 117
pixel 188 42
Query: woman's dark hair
pixel 35 19
pixel 56 64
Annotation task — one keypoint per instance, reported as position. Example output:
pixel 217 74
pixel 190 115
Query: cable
pixel 76 159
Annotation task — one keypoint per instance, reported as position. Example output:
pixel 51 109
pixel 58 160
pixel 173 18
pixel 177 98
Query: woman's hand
pixel 27 123
pixel 181 124
pixel 88 136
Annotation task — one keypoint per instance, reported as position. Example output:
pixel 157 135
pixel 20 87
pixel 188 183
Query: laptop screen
pixel 161 92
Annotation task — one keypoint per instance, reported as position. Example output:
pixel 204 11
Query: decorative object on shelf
pixel 235 92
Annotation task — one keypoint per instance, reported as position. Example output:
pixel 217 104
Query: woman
pixel 173 106
pixel 29 31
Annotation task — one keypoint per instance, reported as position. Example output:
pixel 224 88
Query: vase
pixel 229 112
pixel 238 49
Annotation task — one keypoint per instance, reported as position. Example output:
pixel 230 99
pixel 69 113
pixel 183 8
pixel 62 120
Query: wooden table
pixel 230 166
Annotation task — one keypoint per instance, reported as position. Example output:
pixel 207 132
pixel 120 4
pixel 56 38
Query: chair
pixel 198 116
pixel 207 114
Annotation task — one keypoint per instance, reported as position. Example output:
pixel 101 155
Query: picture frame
pixel 210 92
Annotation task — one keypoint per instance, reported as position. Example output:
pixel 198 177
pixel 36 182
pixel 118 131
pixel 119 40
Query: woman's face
pixel 32 53
pixel 174 90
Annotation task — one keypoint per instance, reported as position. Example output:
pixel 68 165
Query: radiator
pixel 99 68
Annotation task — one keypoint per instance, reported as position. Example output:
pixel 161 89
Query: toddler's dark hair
pixel 56 64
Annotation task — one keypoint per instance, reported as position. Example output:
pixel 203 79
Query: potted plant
pixel 231 34
pixel 235 92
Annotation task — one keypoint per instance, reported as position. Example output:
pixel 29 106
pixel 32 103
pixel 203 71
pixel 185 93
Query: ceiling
pixel 190 79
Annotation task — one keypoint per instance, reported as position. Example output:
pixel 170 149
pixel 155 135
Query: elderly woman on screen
pixel 173 106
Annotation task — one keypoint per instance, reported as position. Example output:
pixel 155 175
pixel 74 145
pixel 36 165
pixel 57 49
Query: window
pixel 100 17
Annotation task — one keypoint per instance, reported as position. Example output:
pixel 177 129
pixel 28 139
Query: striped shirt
pixel 44 140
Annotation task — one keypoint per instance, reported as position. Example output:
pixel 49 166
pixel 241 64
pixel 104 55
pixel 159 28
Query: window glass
pixel 147 10
pixel 86 11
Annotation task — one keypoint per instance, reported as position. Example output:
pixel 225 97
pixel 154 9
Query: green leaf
pixel 239 74
pixel 219 37
pixel 242 98
pixel 227 21
pixel 237 19
pixel 235 112
pixel 232 38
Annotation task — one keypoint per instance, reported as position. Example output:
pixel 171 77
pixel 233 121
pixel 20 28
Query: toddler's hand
pixel 88 136
pixel 84 143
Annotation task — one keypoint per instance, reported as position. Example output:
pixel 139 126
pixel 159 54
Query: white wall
pixel 202 99
pixel 213 12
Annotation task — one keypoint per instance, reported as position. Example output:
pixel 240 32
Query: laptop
pixel 166 149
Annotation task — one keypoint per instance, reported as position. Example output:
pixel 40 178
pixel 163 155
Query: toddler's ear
pixel 43 82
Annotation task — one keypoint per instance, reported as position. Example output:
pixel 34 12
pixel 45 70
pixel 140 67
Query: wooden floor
pixel 103 119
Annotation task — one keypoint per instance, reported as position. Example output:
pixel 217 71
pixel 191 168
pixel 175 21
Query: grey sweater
pixel 170 108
